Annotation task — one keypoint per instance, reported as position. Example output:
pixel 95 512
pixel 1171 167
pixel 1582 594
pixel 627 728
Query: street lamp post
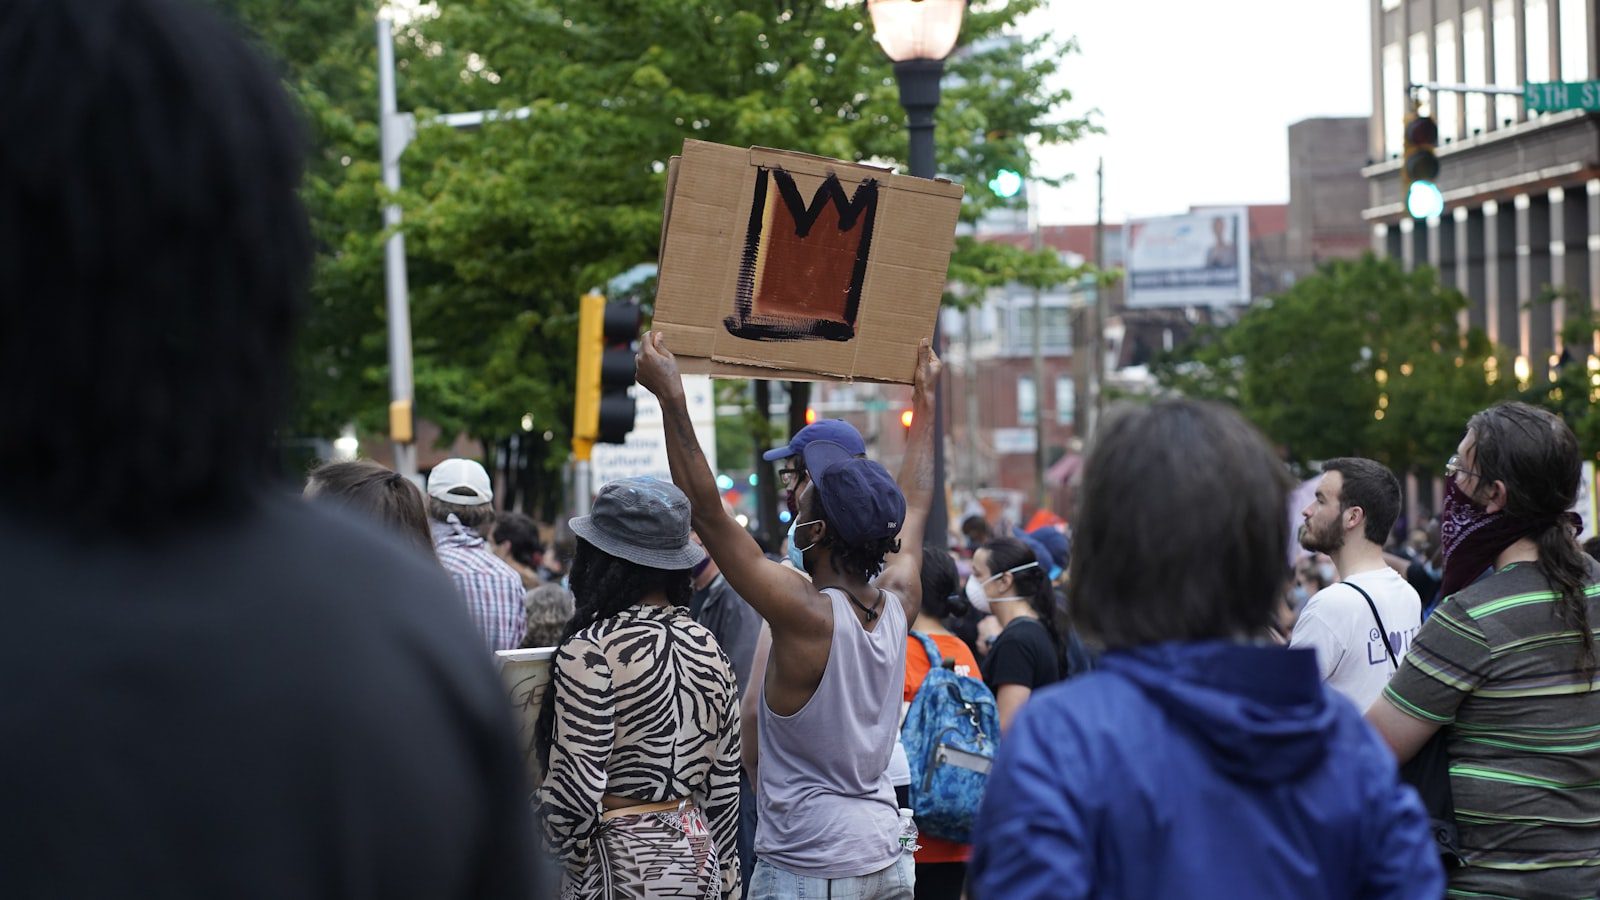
pixel 918 35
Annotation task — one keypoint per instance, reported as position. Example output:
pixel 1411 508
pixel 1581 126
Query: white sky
pixel 1196 97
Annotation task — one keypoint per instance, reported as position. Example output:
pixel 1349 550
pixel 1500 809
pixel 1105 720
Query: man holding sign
pixel 831 700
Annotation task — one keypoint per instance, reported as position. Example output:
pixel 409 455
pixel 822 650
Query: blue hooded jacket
pixel 1208 769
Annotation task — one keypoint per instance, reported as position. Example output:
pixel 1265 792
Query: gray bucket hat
pixel 641 520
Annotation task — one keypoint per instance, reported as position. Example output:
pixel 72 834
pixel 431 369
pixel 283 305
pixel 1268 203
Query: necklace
pixel 872 611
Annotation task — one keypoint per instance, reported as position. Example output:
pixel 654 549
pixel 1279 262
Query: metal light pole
pixel 394 132
pixel 917 35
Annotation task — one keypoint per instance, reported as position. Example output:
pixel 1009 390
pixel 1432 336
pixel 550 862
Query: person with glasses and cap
pixel 830 703
pixel 639 731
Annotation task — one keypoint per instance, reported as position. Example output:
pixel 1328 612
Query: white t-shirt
pixel 1338 623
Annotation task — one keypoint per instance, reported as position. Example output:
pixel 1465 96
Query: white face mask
pixel 979 599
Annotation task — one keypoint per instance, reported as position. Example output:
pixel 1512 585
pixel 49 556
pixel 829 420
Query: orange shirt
pixel 938 850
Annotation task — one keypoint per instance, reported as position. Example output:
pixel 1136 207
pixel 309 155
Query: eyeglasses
pixel 1453 467
pixel 791 476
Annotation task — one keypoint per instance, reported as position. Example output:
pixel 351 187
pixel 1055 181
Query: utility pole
pixel 972 401
pixel 1097 361
pixel 1039 494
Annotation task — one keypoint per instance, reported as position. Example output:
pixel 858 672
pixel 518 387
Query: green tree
pixel 506 225
pixel 1361 358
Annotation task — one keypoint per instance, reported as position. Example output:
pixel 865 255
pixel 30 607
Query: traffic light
pixel 603 411
pixel 1006 183
pixel 1419 167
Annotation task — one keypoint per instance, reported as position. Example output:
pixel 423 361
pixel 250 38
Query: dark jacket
pixel 1199 770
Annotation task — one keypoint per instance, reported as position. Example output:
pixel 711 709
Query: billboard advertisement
pixel 1201 258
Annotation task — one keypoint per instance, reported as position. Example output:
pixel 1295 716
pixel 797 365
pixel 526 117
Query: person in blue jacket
pixel 1199 760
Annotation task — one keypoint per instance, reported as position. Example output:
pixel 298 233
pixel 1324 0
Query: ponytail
pixel 1566 567
pixel 1032 584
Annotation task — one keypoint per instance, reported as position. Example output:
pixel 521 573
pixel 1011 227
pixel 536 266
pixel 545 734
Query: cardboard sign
pixel 525 674
pixel 777 264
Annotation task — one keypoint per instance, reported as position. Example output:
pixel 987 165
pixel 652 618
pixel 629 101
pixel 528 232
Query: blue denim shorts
pixel 894 882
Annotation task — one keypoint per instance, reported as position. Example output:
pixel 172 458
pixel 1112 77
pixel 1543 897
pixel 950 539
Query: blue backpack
pixel 949 736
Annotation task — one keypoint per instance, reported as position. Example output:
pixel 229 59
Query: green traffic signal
pixel 1006 184
pixel 1424 200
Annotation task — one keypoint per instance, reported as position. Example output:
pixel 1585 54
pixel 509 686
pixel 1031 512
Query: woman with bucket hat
pixel 639 732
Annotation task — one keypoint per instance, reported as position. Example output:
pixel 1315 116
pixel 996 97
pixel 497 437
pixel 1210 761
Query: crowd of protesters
pixel 219 690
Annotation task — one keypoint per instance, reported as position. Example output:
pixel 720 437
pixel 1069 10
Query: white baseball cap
pixel 460 481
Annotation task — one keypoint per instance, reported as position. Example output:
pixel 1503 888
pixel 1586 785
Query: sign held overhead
pixel 777 264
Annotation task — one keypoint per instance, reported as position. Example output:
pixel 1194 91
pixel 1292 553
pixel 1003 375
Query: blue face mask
pixel 796 552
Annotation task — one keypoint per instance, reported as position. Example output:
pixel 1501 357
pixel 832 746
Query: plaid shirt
pixel 492 589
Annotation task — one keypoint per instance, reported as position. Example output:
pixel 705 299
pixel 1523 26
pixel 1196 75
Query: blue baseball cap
pixel 859 498
pixel 836 430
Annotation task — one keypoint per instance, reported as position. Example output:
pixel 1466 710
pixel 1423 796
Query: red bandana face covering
pixel 1472 538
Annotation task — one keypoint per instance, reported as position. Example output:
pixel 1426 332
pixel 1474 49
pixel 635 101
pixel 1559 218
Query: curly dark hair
pixel 864 561
pixel 156 259
pixel 603 586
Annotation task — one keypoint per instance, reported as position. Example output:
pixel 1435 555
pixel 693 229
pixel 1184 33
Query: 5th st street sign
pixel 1551 96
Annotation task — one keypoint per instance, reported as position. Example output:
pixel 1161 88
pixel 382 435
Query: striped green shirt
pixel 1495 665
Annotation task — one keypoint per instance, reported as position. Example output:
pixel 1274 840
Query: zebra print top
pixel 646 708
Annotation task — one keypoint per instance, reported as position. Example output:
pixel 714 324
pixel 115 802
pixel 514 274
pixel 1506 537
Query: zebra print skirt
pixel 655 854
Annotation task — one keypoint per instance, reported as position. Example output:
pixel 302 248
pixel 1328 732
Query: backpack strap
pixel 1394 661
pixel 930 648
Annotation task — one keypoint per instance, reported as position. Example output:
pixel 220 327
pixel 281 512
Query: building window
pixel 1444 40
pixel 1474 69
pixel 1056 335
pixel 1536 18
pixel 1394 91
pixel 1066 400
pixel 1027 401
pixel 1505 62
pixel 1574 40
pixel 1419 58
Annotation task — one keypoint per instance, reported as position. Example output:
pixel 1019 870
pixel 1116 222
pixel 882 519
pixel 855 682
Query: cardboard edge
pixel 695 365
pixel 666 208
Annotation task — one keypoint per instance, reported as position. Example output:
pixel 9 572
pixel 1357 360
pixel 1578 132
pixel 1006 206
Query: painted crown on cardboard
pixel 804 263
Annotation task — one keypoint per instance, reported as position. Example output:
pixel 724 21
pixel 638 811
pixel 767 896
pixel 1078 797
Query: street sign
pixel 1551 96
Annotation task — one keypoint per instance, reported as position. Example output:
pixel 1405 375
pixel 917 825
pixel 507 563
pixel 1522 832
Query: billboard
pixel 1201 258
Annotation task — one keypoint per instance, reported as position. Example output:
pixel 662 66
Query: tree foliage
pixel 1361 358
pixel 508 224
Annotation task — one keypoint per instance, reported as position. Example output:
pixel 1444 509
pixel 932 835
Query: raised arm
pixel 775 593
pixel 902 571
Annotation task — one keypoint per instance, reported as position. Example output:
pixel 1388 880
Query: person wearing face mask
pixel 835 671
pixel 1505 668
pixel 1007 581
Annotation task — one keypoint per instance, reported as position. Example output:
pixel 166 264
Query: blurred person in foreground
pixel 639 732
pixel 213 690
pixel 1506 664
pixel 1199 759
pixel 377 492
pixel 460 503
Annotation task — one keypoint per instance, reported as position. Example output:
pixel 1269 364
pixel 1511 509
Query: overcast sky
pixel 1196 97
